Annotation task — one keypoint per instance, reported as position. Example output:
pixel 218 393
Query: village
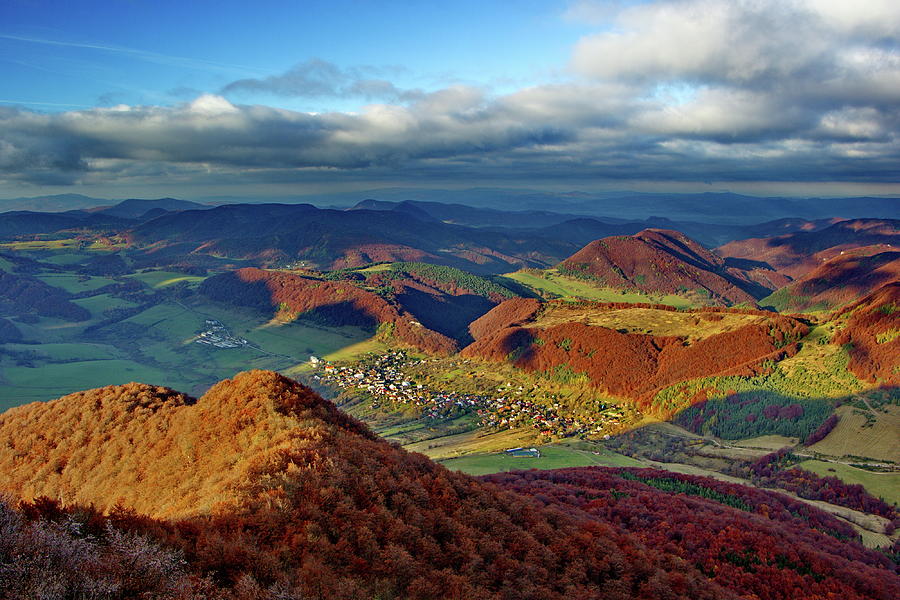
pixel 384 380
pixel 216 334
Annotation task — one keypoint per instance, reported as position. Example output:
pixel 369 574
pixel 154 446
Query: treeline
pixel 823 430
pixel 452 280
pixel 753 543
pixel 777 470
pixel 752 414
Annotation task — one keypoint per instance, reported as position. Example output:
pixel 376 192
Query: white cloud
pixel 670 90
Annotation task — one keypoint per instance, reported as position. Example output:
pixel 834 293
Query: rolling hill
pixel 838 281
pixel 796 254
pixel 333 239
pixel 634 350
pixel 268 491
pixel 135 208
pixel 26 223
pixel 870 329
pixel 327 302
pixel 23 294
pixel 664 261
pixel 55 203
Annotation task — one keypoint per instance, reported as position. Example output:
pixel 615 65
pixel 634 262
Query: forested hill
pixel 268 491
pixel 663 261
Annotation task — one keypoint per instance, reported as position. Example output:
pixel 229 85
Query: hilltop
pixel 270 491
pixel 664 262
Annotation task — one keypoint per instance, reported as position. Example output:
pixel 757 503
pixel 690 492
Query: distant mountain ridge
pixel 845 278
pixel 135 208
pixel 331 239
pixel 796 254
pixel 55 203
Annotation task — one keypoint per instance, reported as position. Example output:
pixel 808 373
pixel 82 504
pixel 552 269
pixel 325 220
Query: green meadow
pixel 881 485
pixel 556 456
pixel 551 284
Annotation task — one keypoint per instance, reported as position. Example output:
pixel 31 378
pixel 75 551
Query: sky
pixel 271 98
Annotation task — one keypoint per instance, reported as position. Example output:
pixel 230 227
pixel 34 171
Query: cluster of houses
pixel 216 334
pixel 383 378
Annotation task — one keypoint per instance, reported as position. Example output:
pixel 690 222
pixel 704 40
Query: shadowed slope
pixel 20 294
pixel 842 279
pixel 796 254
pixel 331 302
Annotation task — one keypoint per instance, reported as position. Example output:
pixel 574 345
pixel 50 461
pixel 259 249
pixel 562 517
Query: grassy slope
pixel 552 284
pixel 555 456
pixel 882 485
pixel 161 279
pixel 857 435
pixel 646 320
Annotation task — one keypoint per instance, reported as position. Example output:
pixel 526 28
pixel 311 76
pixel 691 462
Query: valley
pixel 491 366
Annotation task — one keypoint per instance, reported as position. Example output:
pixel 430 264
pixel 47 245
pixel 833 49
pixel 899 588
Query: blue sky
pixel 58 55
pixel 133 97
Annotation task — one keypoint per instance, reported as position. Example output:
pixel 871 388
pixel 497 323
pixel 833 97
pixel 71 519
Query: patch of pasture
pixel 881 485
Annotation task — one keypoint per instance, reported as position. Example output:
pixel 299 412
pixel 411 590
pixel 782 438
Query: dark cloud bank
pixel 684 90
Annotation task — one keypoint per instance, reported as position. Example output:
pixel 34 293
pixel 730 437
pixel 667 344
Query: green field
pixel 51 380
pixel 67 245
pixel 74 283
pixel 65 258
pixel 881 485
pixel 161 279
pixel 102 302
pixel 60 352
pixel 552 284
pixel 557 456
pixel 41 245
pixel 157 345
